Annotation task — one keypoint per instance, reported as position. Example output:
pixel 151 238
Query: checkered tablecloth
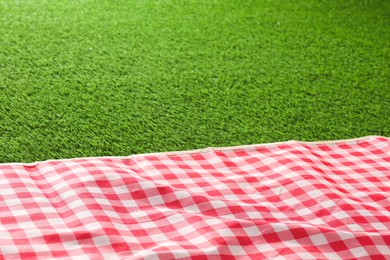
pixel 289 200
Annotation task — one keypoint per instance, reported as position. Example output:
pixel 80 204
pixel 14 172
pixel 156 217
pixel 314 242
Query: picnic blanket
pixel 291 200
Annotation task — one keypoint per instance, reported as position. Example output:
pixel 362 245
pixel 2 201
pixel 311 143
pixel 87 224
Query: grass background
pixel 105 77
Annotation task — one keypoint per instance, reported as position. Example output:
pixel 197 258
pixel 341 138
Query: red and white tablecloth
pixel 292 200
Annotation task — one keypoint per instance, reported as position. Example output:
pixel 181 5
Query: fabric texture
pixel 292 200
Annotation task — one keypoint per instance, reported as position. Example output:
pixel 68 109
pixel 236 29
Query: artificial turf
pixel 99 78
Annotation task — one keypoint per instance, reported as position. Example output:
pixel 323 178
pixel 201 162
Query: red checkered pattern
pixel 289 200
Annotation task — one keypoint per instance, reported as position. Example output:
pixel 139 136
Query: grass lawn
pixel 99 78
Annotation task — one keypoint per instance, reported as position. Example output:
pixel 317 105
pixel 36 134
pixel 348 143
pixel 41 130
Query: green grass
pixel 99 78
